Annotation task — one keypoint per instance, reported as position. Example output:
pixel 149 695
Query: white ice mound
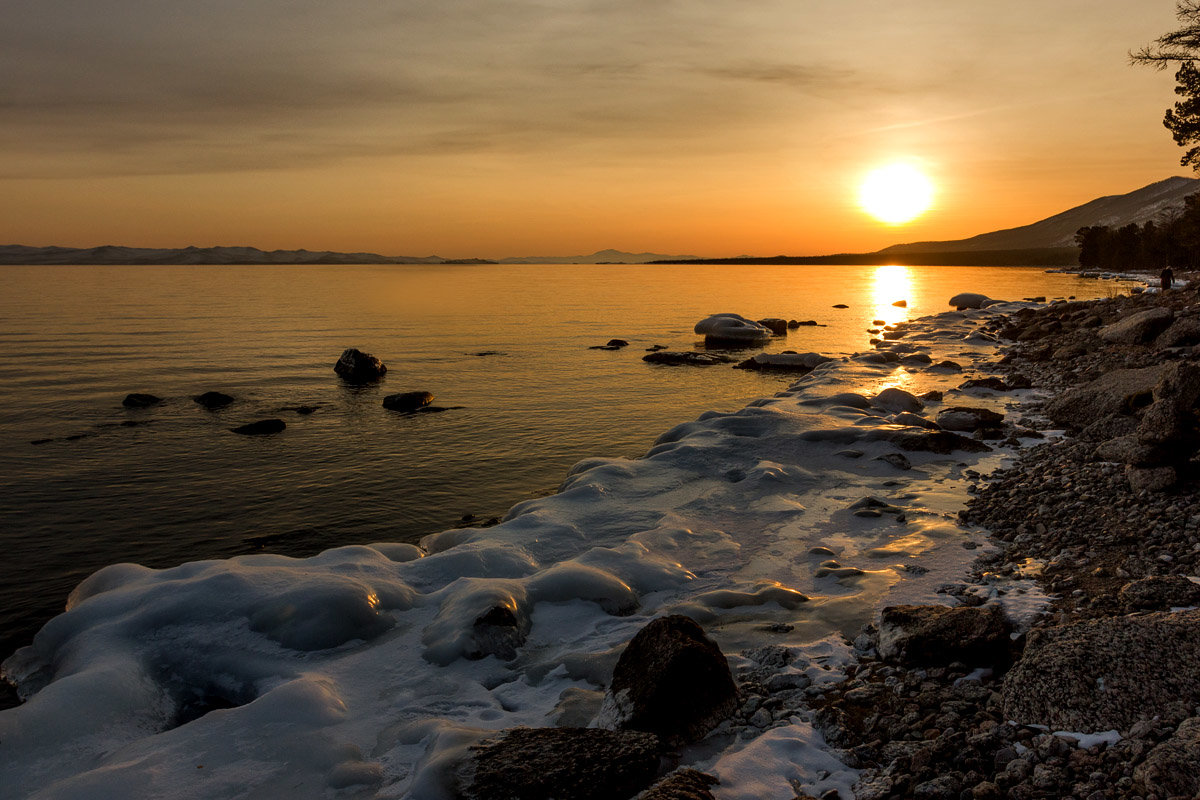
pixel 733 328
pixel 364 671
pixel 972 300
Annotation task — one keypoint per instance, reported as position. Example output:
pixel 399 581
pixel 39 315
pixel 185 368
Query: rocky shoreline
pixel 1100 698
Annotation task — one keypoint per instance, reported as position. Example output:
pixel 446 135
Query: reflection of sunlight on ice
pixel 889 284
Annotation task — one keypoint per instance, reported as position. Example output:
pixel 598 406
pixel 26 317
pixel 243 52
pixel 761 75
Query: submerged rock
pixel 691 358
pixel 407 402
pixel 213 400
pixel 139 400
pixel 784 362
pixel 1100 674
pixel 355 366
pixel 560 764
pixel 672 681
pixel 260 428
pixel 937 635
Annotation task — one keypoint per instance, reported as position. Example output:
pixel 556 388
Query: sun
pixel 896 193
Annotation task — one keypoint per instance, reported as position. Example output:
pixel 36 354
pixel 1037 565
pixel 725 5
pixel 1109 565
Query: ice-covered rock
pixel 691 358
pixel 971 300
pixel 785 362
pixel 732 329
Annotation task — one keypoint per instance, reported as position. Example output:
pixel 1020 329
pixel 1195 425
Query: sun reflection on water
pixel 890 283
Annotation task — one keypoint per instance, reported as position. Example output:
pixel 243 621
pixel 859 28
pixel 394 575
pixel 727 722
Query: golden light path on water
pixel 889 283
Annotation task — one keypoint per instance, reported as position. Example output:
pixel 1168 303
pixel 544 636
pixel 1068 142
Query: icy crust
pixel 369 671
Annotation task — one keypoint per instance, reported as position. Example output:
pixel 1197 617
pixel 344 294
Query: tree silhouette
pixel 1181 46
pixel 1177 47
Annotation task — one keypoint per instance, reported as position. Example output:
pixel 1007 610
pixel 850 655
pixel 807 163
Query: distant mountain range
pixel 1049 242
pixel 110 254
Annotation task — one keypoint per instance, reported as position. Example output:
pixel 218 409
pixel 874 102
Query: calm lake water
pixel 178 485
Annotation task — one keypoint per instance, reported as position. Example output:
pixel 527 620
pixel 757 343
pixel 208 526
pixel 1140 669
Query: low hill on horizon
pixel 1049 242
pixel 139 256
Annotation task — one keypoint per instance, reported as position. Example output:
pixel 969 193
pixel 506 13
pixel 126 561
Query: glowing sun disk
pixel 896 193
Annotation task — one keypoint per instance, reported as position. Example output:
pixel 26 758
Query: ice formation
pixel 367 671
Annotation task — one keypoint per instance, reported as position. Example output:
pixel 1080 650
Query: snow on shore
pixel 362 671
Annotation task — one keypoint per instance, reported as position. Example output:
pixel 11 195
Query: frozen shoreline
pixel 367 664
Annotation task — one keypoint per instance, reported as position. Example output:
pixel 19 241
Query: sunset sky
pixel 499 128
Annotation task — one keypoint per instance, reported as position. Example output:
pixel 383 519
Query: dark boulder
pixel 560 764
pixel 948 366
pixel 407 402
pixel 617 343
pixel 942 442
pixel 498 632
pixel 1121 391
pixel 1139 327
pixel 672 681
pixel 894 399
pixel 1170 768
pixel 1184 332
pixel 995 384
pixel 1100 674
pixel 901 304
pixel 260 428
pixel 804 323
pixel 968 418
pixel 684 784
pixel 775 325
pixel 938 635
pixel 355 366
pixel 841 305
pixel 139 400
pixel 213 400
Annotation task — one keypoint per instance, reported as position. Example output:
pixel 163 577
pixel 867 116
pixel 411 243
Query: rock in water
pixel 901 304
pixel 1100 674
pixel 213 400
pixel 560 764
pixel 732 329
pixel 937 635
pixel 672 681
pixel 691 358
pixel 260 428
pixel 407 402
pixel 139 400
pixel 784 362
pixel 968 418
pixel 356 366
pixel 775 325
pixel 617 343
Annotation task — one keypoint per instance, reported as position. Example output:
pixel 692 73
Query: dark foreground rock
pixel 262 427
pixel 672 681
pixel 1107 673
pixel 685 784
pixel 940 635
pixel 560 764
pixel 213 400
pixel 1160 593
pixel 1171 768
pixel 140 400
pixel 355 366
pixel 407 402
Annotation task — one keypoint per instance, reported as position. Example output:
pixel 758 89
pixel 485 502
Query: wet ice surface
pixel 362 671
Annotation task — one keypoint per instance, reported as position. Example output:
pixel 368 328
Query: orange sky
pixel 498 128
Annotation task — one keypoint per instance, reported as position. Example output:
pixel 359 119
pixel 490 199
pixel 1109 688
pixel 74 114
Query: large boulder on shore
pixel 1160 593
pixel 1138 328
pixel 672 681
pixel 732 329
pixel 1101 674
pixel 938 635
pixel 1170 769
pixel 1122 391
pixel 559 764
pixel 355 366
